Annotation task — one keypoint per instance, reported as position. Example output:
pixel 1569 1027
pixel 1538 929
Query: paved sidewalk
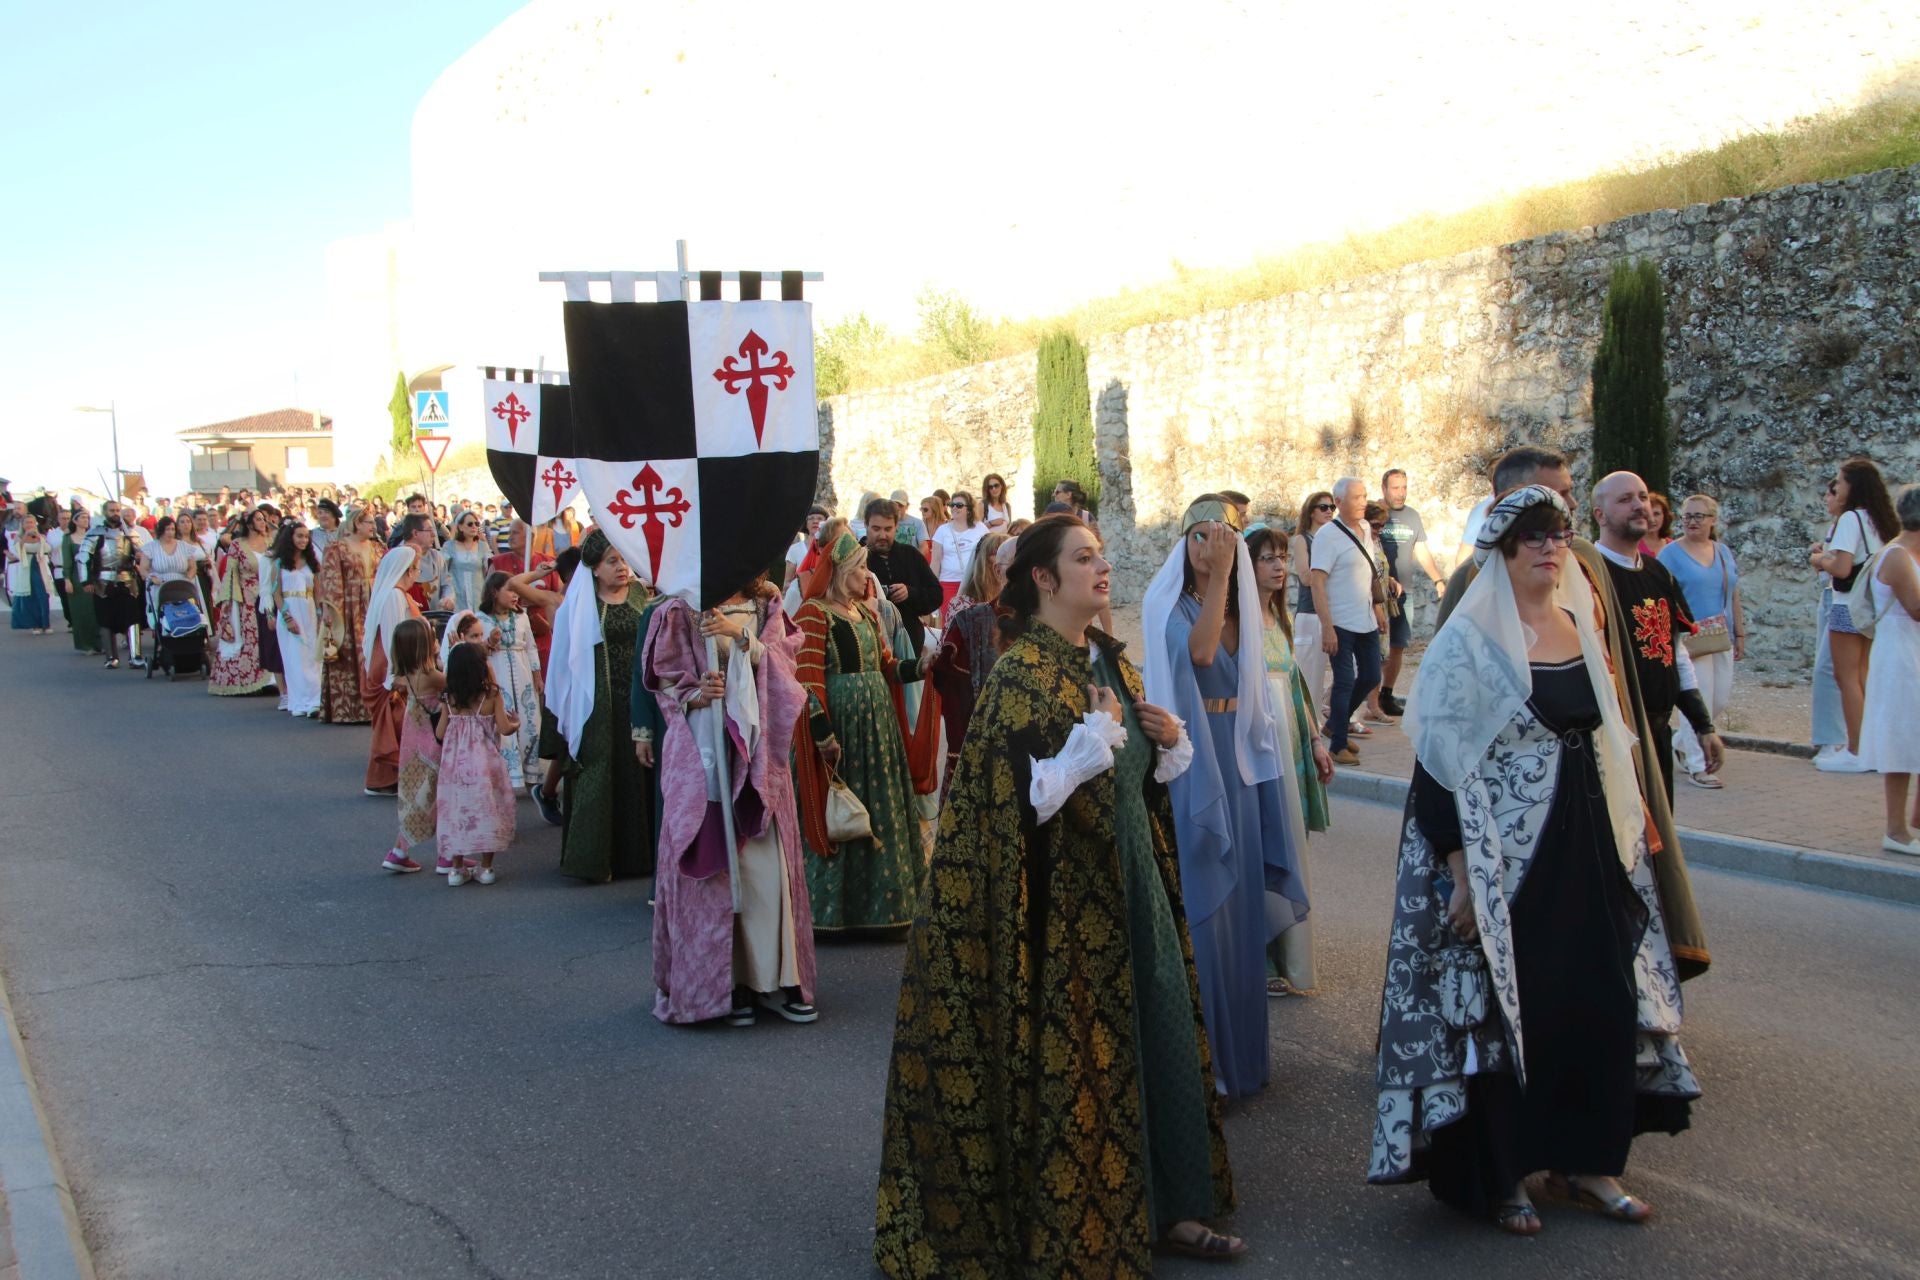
pixel 1776 798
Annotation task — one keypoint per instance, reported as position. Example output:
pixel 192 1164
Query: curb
pixel 45 1225
pixel 1869 877
pixel 1767 746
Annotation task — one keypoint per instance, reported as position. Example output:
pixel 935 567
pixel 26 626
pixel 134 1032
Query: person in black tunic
pixel 1524 871
pixel 905 576
pixel 1658 620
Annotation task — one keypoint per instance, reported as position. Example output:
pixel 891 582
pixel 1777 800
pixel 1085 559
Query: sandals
pixel 1209 1246
pixel 788 1005
pixel 1518 1219
pixel 1706 780
pixel 1621 1208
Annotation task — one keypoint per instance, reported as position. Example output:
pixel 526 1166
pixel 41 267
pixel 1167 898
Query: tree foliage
pixel 1063 446
pixel 843 348
pixel 400 409
pixel 950 327
pixel 1632 430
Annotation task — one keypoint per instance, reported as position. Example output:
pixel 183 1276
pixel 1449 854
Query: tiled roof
pixel 278 422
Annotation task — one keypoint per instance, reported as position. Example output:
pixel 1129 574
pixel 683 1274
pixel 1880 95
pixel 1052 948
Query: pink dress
pixel 476 796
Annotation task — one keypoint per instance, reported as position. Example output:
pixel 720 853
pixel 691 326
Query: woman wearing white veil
pixel 388 605
pixel 1239 863
pixel 1531 1004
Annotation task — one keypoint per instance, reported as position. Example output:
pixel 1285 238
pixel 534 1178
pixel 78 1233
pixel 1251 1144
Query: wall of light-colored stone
pixel 1793 340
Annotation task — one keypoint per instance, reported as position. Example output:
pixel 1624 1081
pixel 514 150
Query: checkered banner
pixel 696 435
pixel 530 444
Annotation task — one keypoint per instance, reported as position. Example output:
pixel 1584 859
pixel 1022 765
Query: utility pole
pixel 113 420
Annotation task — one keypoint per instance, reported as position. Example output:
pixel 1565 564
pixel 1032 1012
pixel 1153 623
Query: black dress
pixel 1577 924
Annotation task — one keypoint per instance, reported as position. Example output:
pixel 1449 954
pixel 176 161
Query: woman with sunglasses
pixel 467 557
pixel 1531 1011
pixel 995 510
pixel 953 547
pixel 1315 670
pixel 1708 577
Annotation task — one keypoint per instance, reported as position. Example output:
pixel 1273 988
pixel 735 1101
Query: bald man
pixel 1530 464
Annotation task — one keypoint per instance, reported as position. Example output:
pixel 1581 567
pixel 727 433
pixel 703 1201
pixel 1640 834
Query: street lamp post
pixel 113 420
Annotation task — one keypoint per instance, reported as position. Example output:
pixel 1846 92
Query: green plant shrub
pixel 1063 447
pixel 400 410
pixel 1632 430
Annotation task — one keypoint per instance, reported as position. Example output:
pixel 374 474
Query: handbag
pixel 1861 610
pixel 1463 986
pixel 1712 635
pixel 847 818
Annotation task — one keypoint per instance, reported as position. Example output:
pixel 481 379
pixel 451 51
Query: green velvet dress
pixel 1050 1105
pixel 609 809
pixel 873 883
pixel 86 627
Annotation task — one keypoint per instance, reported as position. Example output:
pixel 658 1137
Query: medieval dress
pixel 346 572
pixel 80 603
pixel 236 668
pixel 608 811
pixel 1291 956
pixel 702 950
pixel 846 666
pixel 299 652
pixel 1050 1106
pixel 1552 1041
pixel 387 607
pixel 514 664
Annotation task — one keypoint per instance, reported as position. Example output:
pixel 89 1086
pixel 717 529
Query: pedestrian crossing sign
pixel 429 410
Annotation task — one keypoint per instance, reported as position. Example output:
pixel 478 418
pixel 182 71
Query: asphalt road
pixel 265 1057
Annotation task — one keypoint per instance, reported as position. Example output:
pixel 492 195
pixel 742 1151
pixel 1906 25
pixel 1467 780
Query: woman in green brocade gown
pixel 608 801
pixel 1291 970
pixel 73 557
pixel 855 732
pixel 1051 1107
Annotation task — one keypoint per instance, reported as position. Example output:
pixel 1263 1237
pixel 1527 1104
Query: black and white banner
pixel 696 435
pixel 530 444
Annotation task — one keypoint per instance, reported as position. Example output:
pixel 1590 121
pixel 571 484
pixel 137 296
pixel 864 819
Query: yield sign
pixel 433 449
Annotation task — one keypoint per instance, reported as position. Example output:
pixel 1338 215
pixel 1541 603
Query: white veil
pixel 386 607
pixel 576 630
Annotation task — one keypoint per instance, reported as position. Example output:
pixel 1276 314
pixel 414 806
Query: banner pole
pixel 723 764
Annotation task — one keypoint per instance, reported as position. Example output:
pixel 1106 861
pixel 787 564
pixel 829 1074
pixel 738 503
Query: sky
pixel 172 177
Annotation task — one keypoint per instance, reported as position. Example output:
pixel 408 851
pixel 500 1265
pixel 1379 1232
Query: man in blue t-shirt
pixel 1404 539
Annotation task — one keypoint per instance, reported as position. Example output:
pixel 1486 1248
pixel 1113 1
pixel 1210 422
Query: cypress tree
pixel 400 410
pixel 1063 447
pixel 1632 430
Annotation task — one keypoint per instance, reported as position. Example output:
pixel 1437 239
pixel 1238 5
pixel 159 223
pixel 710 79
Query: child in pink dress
pixel 476 795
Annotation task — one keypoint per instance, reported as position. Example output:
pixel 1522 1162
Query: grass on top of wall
pixel 857 354
pixel 409 474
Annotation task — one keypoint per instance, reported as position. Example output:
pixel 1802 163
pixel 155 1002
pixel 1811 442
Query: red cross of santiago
pixel 513 413
pixel 558 479
pixel 755 376
pixel 650 509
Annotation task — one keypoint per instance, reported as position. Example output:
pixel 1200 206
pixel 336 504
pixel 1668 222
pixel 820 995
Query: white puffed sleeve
pixel 1087 754
pixel 1174 759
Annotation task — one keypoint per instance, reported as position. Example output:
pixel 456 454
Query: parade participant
pixel 1308 768
pixel 473 802
pixel 708 961
pixel 1530 464
pixel 1404 539
pixel 55 530
pixel 237 669
pixel 30 578
pixel 346 574
pixel 905 578
pixel 115 583
pixel 1088 1129
pixel 515 663
pixel 1661 621
pixel 608 804
pixel 81 598
pixel 1239 866
pixel 418 681
pixel 970 645
pixel 294 571
pixel 388 605
pixel 855 735
pixel 1530 1014
pixel 467 557
pixel 325 526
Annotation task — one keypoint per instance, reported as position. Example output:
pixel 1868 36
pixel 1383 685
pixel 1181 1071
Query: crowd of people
pixel 922 725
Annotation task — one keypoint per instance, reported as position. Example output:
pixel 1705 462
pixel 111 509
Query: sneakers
pixel 1827 752
pixel 741 1014
pixel 388 792
pixel 1842 761
pixel 486 876
pixel 1350 756
pixel 457 876
pixel 1911 846
pixel 549 807
pixel 444 865
pixel 1391 705
pixel 398 861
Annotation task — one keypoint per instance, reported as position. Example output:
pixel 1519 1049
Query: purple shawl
pixel 693 919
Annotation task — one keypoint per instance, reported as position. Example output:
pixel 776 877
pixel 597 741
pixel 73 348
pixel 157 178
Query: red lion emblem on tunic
pixel 1653 630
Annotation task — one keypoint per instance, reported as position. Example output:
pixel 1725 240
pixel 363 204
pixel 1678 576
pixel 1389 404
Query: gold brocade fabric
pixel 1014 1137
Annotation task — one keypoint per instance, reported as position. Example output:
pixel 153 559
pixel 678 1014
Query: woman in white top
pixel 953 545
pixel 995 511
pixel 1866 523
pixel 294 569
pixel 1888 742
pixel 1307 654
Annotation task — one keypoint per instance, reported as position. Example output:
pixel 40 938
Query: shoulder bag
pixel 1713 635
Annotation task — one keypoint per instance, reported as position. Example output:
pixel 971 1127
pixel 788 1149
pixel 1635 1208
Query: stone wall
pixel 1793 340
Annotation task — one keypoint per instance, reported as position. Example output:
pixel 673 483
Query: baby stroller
pixel 179 631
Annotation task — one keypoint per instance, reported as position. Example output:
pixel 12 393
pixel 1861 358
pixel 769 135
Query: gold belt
pixel 297 595
pixel 1215 706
